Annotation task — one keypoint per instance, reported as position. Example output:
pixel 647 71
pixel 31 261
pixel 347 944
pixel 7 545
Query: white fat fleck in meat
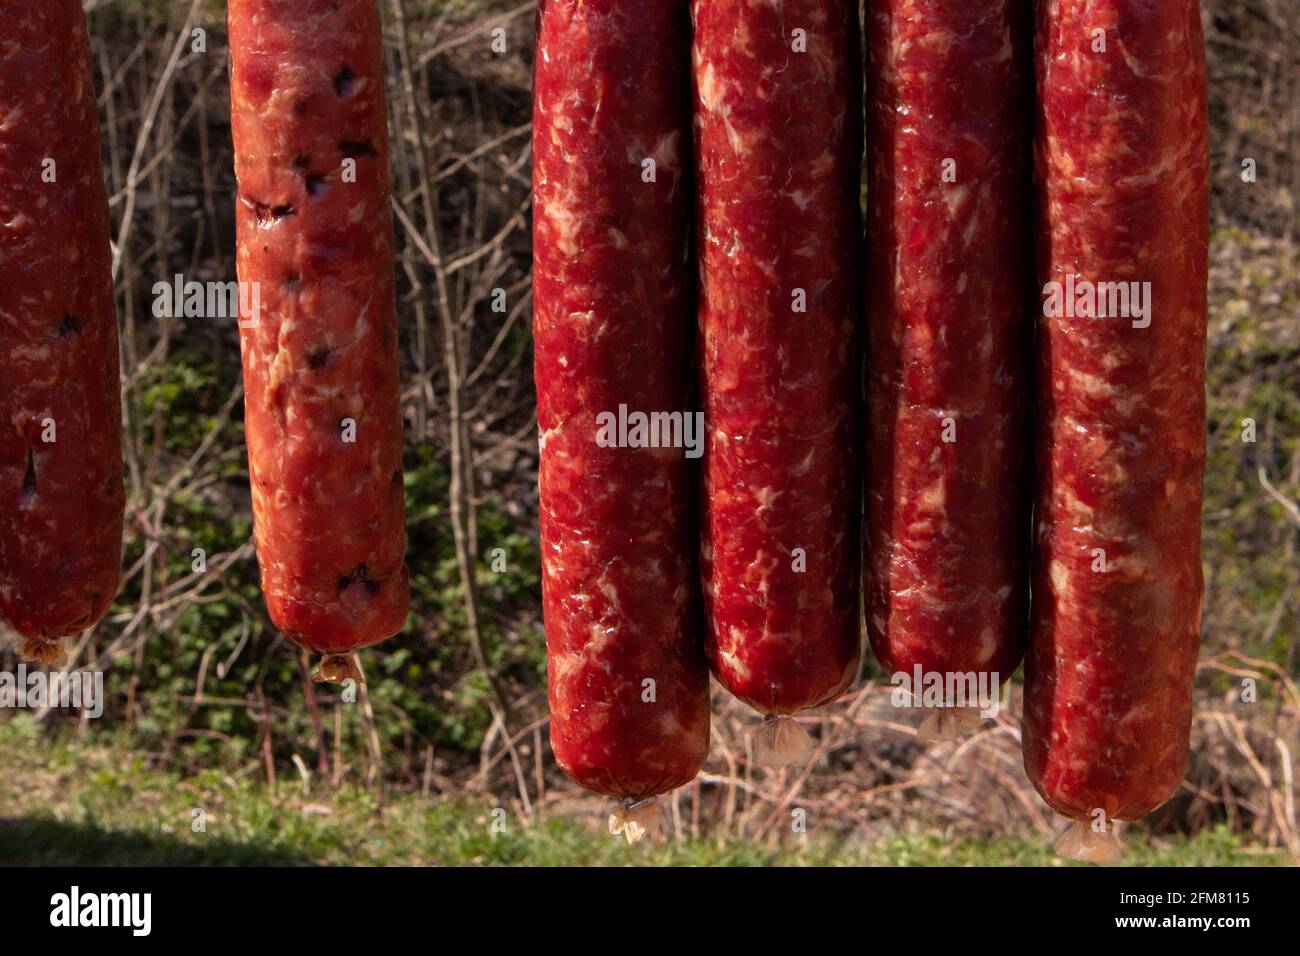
pixel 823 59
pixel 36 355
pixel 542 435
pixel 984 200
pixel 281 368
pixel 602 640
pixel 1077 512
pixel 954 197
pixel 670 726
pixel 10 118
pixel 667 151
pixel 933 499
pixel 1123 402
pixel 708 88
pixel 739 143
pixel 824 165
pixel 734 663
pixel 610 591
pixel 565 666
pixel 1132 62
pixel 939 42
pixel 565 223
pixel 363 323
pixel 1060 578
pixel 732 246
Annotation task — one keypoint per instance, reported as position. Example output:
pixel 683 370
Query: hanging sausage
pixel 778 142
pixel 949 267
pixel 613 331
pixel 61 490
pixel 1122 161
pixel 315 238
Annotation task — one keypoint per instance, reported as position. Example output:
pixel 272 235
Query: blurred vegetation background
pixel 206 696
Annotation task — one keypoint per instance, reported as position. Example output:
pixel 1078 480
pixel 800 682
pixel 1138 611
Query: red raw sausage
pixel 1121 156
pixel 321 400
pixel 61 491
pixel 778 140
pixel 612 326
pixel 947 530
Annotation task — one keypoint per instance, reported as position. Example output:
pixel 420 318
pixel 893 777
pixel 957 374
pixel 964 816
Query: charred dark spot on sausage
pixel 291 282
pixel 301 161
pixel 269 215
pixel 317 358
pixel 326 8
pixel 71 325
pixel 84 620
pixel 343 81
pixel 315 185
pixel 29 478
pixel 354 148
pixel 359 575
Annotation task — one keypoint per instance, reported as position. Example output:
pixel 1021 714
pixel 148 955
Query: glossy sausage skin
pixel 61 489
pixel 320 361
pixel 1122 162
pixel 612 326
pixel 779 143
pixel 947 529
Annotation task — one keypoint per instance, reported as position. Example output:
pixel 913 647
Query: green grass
pixel 79 802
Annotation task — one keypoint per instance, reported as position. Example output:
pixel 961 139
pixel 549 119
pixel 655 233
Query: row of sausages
pixel 319 337
pixel 698 243
pixel 647 582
